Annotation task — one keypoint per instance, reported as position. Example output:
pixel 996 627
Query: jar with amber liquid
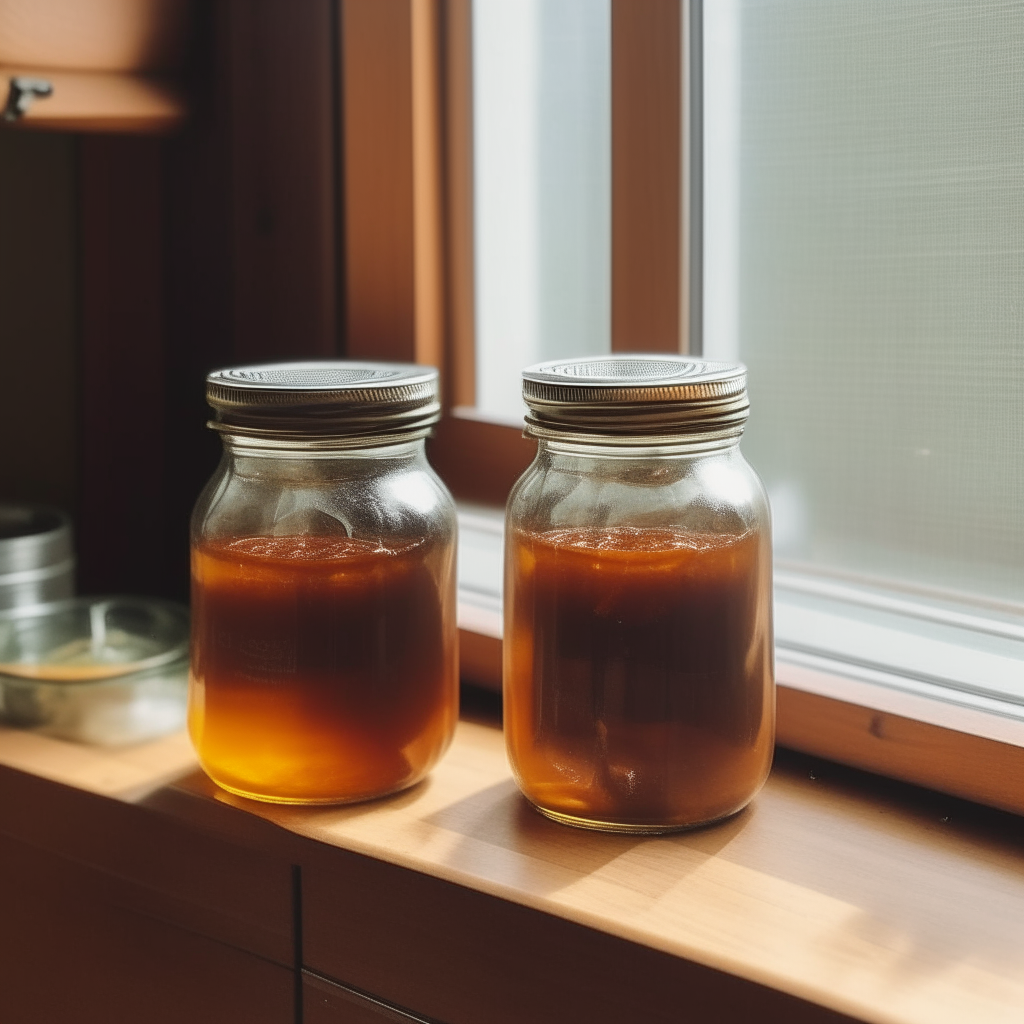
pixel 638 657
pixel 324 662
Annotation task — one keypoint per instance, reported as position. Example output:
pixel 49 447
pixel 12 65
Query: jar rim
pixel 254 441
pixel 636 445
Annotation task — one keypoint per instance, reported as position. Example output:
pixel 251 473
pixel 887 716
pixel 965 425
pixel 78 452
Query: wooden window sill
pixel 966 752
pixel 835 895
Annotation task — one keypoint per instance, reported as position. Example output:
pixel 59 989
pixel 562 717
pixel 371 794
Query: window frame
pixel 656 286
pixel 408 202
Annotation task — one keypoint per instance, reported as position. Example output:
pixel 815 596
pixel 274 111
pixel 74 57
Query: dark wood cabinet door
pixel 324 1002
pixel 78 946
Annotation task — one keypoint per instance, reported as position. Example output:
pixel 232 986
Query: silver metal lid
pixel 324 399
pixel 33 537
pixel 635 396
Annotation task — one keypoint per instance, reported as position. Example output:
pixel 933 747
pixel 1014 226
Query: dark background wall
pixel 38 318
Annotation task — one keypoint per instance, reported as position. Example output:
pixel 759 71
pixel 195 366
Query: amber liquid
pixel 639 691
pixel 324 669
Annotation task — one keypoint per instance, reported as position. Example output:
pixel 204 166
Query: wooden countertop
pixel 867 897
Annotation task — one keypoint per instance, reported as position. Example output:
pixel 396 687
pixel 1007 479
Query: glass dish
pixel 103 670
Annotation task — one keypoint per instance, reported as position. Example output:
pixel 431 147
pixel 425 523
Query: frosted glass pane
pixel 542 204
pixel 865 258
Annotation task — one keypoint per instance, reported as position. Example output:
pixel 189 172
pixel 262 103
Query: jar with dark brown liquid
pixel 324 643
pixel 638 675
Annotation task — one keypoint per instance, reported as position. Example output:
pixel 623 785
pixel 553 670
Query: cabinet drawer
pixel 324 1002
pixel 452 954
pixel 202 882
pixel 75 949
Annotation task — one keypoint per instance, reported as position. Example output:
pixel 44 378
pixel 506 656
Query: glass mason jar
pixel 638 658
pixel 324 662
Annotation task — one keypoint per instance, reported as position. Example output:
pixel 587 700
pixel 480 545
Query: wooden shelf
pixel 835 896
pixel 100 101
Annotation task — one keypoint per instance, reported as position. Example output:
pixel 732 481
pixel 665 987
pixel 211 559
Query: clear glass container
pixel 324 662
pixel 102 670
pixel 638 657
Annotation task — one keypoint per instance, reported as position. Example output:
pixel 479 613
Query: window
pixel 542 197
pixel 864 225
pixel 861 237
pixel 871 200
pixel 581 235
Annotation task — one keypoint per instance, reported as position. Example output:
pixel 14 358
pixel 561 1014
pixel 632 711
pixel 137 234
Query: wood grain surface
pixel 835 891
pixel 648 311
pixel 946 747
pixel 975 767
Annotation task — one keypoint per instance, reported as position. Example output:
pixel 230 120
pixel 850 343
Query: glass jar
pixel 638 658
pixel 324 664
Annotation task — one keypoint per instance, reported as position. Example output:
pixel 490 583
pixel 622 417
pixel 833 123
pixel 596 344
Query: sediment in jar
pixel 323 668
pixel 638 673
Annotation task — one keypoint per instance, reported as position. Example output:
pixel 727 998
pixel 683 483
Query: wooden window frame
pixel 655 307
pixel 409 216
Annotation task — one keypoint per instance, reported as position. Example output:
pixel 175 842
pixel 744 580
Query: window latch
pixel 21 94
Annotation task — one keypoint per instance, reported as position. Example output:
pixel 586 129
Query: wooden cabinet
pixel 106 65
pixel 448 953
pixel 136 891
pixel 325 1002
pixel 79 945
pixel 117 913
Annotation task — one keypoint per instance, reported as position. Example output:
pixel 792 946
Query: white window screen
pixel 864 226
pixel 542 204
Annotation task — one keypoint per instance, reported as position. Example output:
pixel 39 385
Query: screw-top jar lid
pixel 619 396
pixel 334 399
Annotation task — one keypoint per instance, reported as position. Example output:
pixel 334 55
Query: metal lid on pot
pixel 33 537
pixel 645 396
pixel 335 399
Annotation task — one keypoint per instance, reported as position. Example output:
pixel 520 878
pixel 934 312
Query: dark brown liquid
pixel 638 674
pixel 323 669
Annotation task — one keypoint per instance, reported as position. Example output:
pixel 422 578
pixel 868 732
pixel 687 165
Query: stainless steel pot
pixel 36 558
